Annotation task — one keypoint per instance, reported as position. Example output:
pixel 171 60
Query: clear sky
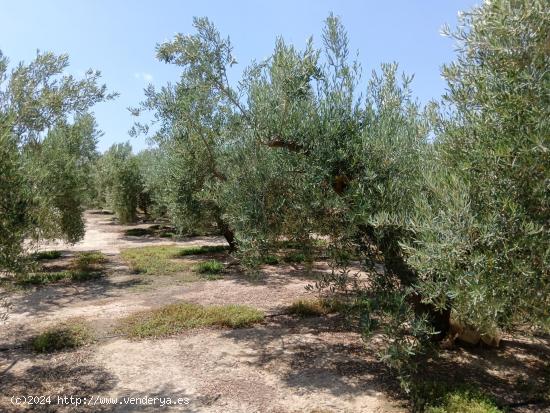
pixel 119 38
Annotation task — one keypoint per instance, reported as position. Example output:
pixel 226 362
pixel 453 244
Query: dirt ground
pixel 282 365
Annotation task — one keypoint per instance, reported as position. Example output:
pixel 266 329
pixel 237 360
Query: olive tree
pixel 120 181
pixel 482 224
pixel 38 95
pixel 152 199
pixel 455 226
pixel 58 176
pixel 49 137
pixel 14 198
pixel 195 120
pixel 294 150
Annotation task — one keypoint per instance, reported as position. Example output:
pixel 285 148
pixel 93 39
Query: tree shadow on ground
pixel 143 241
pixel 275 275
pixel 99 212
pixel 321 353
pixel 516 375
pixel 164 397
pixel 317 353
pixel 68 374
pixel 43 300
pixel 60 374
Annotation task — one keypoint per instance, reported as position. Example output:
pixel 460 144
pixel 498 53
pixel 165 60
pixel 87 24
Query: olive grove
pixel 451 227
pixel 430 215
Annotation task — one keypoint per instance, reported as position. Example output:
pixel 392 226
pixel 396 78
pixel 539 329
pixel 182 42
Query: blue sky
pixel 119 38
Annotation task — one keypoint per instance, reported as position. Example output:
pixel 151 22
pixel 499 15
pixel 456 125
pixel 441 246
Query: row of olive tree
pixel 125 182
pixel 300 148
pixel 47 142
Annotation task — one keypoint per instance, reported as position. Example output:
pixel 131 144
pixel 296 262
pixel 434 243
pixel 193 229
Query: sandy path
pixel 284 365
pixel 104 235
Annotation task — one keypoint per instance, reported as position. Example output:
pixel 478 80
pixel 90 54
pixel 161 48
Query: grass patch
pixel 64 336
pixel 46 255
pixel 88 260
pixel 295 257
pixel 210 267
pixel 156 260
pixel 167 234
pixel 175 318
pixel 437 397
pixel 138 232
pixel 163 260
pixel 315 307
pixel 270 260
pixel 83 267
pixel 204 249
pixel 42 278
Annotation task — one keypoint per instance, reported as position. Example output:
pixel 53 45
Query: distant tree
pixel 152 198
pixel 120 181
pixel 59 175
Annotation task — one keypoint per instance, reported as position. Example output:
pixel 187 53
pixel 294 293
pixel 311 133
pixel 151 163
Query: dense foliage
pixel 47 143
pixel 450 227
pixel 127 183
pixel 444 209
pixel 59 175
pixel 483 243
pixel 13 200
pixel 119 181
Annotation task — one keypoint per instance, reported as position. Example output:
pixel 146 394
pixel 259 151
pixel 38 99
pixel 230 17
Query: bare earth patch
pixel 284 364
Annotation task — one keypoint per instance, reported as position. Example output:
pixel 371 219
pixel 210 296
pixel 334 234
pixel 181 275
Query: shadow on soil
pixel 64 375
pixel 516 375
pixel 52 377
pixel 317 354
pixel 46 299
pixel 321 353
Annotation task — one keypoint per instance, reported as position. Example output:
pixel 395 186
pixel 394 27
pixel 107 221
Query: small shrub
pixel 46 255
pixel 209 267
pixel 204 249
pixel 314 307
pixel 295 257
pixel 138 232
pixel 88 260
pixel 271 260
pixel 175 318
pixel 437 397
pixel 64 336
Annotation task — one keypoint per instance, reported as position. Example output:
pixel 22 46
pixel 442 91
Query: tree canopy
pixel 48 142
